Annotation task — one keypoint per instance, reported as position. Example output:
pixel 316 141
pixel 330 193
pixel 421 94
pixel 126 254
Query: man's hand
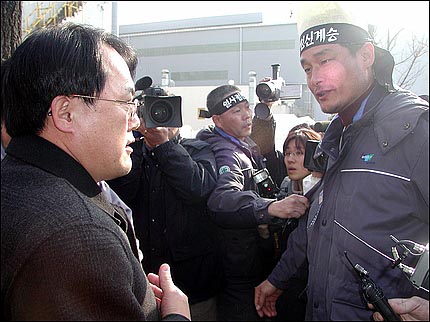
pixel 170 299
pixel 265 297
pixel 293 206
pixel 409 309
pixel 154 136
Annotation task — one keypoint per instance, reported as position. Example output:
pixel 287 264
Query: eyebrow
pixel 322 52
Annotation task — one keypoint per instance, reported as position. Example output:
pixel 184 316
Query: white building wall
pixel 96 13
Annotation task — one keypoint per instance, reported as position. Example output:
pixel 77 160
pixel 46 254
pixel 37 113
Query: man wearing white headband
pixel 376 180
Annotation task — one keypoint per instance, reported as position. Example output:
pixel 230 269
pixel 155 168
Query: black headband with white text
pixel 224 105
pixel 333 33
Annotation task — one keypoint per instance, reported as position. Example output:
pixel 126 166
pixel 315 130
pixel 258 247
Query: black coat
pixel 167 191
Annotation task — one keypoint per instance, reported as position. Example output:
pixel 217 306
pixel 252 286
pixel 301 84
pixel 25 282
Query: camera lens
pixel 263 91
pixel 262 111
pixel 161 112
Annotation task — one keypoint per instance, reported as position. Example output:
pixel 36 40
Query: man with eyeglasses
pixel 167 190
pixel 67 253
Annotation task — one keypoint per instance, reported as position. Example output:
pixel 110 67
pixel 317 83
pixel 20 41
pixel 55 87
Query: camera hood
pixel 162 111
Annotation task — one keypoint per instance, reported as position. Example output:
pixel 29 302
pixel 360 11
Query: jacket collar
pixel 382 110
pixel 47 156
pixel 331 140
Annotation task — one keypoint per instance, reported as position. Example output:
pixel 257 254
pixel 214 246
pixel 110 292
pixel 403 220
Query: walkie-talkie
pixel 374 295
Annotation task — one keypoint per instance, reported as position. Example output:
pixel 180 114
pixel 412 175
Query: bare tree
pixel 410 62
pixel 11 16
pixel 414 65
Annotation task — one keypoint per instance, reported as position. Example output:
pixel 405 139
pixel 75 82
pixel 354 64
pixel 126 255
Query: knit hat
pixel 330 22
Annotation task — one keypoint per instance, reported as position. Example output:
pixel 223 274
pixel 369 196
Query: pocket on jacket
pixel 347 311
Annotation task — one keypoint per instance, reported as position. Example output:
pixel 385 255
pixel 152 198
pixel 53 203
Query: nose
pixel 247 114
pixel 290 159
pixel 134 122
pixel 316 77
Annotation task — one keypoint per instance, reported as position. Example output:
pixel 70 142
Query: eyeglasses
pixel 132 106
pixel 294 154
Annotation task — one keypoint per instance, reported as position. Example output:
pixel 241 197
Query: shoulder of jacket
pixel 401 102
pixel 399 116
pixel 195 143
pixel 218 142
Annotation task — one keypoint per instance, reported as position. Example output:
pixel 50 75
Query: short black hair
pixel 53 61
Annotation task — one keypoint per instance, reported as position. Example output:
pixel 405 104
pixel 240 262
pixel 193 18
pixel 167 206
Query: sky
pixel 412 16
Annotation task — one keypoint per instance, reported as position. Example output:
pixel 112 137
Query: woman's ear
pixel 61 113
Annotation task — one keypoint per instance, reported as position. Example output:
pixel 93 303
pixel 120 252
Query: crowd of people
pixel 143 224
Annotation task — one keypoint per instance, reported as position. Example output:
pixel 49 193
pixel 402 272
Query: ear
pixel 216 120
pixel 367 53
pixel 62 113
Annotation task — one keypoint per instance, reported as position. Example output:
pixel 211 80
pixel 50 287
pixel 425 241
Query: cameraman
pixel 167 190
pixel 263 134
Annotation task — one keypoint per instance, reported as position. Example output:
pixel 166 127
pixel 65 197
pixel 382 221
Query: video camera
pixel 272 91
pixel 318 164
pixel 158 108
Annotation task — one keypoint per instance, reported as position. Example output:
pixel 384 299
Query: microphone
pixel 143 83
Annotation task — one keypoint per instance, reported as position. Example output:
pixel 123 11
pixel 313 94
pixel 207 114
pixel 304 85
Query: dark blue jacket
pixel 237 208
pixel 376 185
